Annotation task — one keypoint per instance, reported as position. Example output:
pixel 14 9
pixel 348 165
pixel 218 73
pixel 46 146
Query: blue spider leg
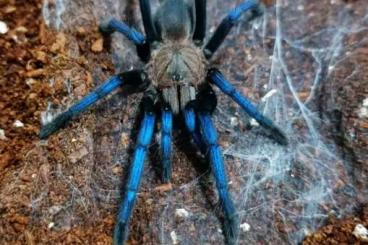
pixel 149 27
pixel 228 22
pixel 217 164
pixel 135 77
pixel 200 25
pixel 143 47
pixel 190 123
pixel 135 174
pixel 216 77
pixel 166 141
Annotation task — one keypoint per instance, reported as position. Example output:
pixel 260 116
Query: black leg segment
pixel 201 18
pixel 148 20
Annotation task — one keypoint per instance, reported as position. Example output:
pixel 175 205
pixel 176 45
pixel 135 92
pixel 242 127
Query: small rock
pixel 117 170
pixel 97 46
pixel 245 227
pixel 363 112
pixel 253 122
pixel 164 187
pixel 18 124
pixel 2 134
pixel 182 213
pixel 365 102
pixel 361 232
pixel 234 121
pixel 174 237
pixel 3 27
pixel 51 224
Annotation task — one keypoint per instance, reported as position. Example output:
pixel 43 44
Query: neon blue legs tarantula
pixel 176 79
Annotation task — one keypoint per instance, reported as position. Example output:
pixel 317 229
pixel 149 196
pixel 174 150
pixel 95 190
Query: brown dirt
pixel 30 55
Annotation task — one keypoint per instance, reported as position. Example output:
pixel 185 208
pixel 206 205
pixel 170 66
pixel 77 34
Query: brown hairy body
pixel 177 69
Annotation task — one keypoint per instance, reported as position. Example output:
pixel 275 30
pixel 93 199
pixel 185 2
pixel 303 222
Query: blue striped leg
pixel 190 122
pixel 143 47
pixel 209 134
pixel 216 77
pixel 135 77
pixel 135 174
pixel 166 147
pixel 228 22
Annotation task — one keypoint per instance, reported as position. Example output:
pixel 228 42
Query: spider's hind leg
pixel 216 77
pixel 136 170
pixel 166 143
pixel 206 105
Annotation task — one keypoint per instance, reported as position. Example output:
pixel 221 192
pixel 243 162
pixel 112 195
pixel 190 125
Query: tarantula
pixel 176 80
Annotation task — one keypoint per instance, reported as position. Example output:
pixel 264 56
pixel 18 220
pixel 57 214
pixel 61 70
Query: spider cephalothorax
pixel 177 69
pixel 176 78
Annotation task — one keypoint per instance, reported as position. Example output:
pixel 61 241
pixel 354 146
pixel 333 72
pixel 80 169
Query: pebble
pixel 174 237
pixel 363 112
pixel 164 187
pixel 2 134
pixel 245 227
pixel 52 224
pixel 253 122
pixel 18 124
pixel 97 46
pixel 182 213
pixel 3 27
pixel 234 121
pixel 361 232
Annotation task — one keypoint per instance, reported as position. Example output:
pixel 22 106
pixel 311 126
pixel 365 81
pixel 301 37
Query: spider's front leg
pixel 148 24
pixel 136 170
pixel 206 105
pixel 200 23
pixel 142 44
pixel 136 78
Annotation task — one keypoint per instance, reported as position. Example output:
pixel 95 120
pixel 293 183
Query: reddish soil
pixel 31 54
